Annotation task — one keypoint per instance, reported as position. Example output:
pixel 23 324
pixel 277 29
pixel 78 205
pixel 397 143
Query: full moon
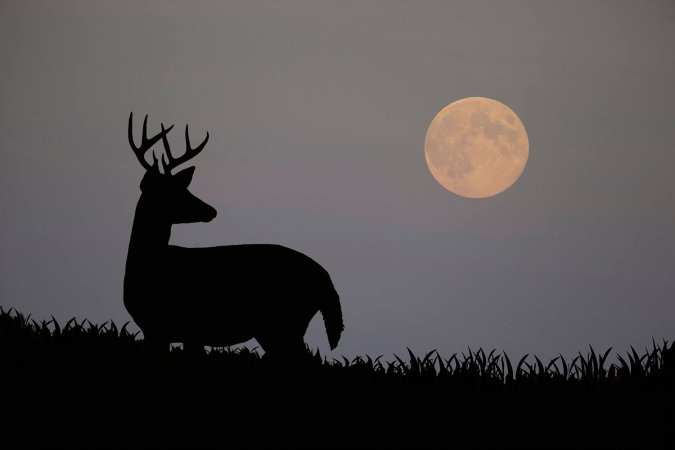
pixel 476 147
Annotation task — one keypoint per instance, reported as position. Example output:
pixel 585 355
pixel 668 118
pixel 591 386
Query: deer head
pixel 165 194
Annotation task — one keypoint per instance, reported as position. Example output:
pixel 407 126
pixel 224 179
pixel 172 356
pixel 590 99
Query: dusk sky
pixel 317 113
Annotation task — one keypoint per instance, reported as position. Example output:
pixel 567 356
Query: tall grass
pixel 22 337
pixel 85 384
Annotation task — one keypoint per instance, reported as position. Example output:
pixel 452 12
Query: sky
pixel 317 113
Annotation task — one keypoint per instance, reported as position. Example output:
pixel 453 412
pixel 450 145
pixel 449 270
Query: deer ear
pixel 184 177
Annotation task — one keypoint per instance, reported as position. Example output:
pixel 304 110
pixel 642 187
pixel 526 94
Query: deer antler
pixel 169 161
pixel 146 143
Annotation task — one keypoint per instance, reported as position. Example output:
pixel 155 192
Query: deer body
pixel 217 296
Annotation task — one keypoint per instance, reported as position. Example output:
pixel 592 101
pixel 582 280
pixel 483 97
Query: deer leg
pixel 193 348
pixel 283 348
pixel 155 345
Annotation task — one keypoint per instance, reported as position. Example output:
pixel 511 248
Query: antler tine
pixel 167 157
pixel 145 142
pixel 187 143
pixel 189 151
pixel 145 129
pixel 167 149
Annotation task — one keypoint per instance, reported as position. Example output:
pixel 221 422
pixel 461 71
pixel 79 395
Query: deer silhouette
pixel 216 296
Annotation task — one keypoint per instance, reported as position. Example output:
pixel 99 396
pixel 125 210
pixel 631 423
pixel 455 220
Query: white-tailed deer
pixel 215 296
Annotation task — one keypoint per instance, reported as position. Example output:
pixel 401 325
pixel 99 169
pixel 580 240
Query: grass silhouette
pixel 86 384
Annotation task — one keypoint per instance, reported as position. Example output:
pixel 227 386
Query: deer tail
pixel 332 317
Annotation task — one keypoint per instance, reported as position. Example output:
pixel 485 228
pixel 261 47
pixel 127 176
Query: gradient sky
pixel 317 113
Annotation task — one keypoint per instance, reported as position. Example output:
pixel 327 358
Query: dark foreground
pixel 83 385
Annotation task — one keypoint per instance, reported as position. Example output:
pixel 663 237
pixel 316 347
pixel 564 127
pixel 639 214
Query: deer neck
pixel 150 233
